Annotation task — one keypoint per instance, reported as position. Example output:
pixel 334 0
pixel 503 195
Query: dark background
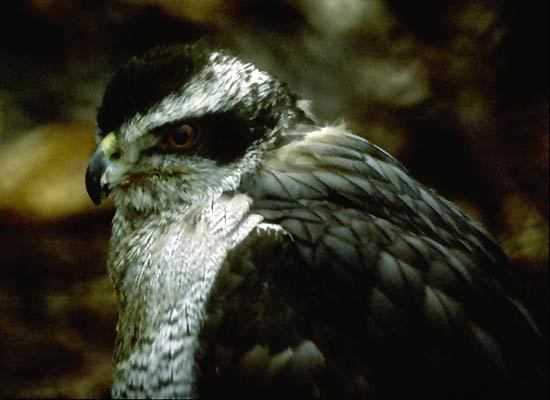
pixel 457 90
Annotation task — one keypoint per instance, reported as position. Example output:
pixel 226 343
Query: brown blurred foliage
pixel 456 90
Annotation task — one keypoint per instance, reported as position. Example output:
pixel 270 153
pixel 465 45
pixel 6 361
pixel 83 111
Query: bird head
pixel 183 123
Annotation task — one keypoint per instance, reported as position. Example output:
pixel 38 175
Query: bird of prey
pixel 259 253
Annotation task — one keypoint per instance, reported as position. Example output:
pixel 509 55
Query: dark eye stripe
pixel 223 137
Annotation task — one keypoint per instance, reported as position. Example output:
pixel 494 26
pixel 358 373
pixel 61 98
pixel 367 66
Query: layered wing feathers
pixel 419 266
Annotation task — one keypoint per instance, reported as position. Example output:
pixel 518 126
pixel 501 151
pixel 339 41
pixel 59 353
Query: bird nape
pixel 258 253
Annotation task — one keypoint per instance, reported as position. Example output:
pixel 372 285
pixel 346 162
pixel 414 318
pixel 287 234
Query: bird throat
pixel 163 267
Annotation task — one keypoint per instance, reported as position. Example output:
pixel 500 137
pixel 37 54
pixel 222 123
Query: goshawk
pixel 259 253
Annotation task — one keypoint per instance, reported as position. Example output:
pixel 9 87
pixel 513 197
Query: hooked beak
pixel 97 184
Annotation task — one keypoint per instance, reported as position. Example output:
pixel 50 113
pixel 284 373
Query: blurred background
pixel 457 90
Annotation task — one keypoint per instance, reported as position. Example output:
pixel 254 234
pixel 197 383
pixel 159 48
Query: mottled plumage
pixel 274 257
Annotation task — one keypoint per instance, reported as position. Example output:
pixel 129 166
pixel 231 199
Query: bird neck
pixel 165 263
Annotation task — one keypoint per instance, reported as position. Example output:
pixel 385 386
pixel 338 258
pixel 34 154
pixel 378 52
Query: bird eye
pixel 182 137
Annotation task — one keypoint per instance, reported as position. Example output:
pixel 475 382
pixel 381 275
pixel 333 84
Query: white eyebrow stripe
pixel 232 84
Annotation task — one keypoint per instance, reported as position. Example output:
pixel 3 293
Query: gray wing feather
pixel 357 216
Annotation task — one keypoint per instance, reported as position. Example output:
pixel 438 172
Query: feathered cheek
pixel 155 176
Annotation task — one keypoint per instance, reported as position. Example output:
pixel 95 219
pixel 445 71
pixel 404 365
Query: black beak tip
pixel 96 168
pixel 93 187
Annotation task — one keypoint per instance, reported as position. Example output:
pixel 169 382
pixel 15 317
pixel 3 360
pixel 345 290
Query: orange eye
pixel 182 137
